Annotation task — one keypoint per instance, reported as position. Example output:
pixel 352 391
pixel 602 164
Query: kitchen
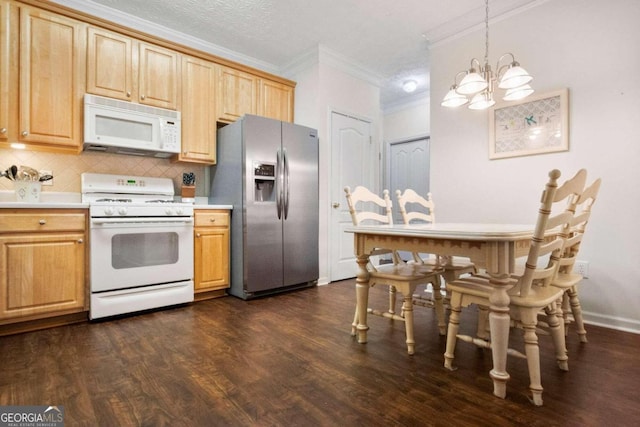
pixel 586 149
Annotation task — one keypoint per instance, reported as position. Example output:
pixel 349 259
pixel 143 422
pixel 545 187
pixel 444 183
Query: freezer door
pixel 263 248
pixel 300 226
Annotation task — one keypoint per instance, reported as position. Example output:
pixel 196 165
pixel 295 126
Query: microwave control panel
pixel 170 135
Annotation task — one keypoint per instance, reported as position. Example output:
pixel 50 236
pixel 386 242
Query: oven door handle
pixel 142 221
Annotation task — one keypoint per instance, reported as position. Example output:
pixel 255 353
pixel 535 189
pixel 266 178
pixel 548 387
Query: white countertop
pixel 60 200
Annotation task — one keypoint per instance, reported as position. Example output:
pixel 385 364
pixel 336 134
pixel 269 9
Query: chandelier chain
pixel 486 33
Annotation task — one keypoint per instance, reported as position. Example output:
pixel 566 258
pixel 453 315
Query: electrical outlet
pixel 44 172
pixel 582 268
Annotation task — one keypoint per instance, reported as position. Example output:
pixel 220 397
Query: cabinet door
pixel 110 65
pixel 237 95
pixel 158 77
pixel 198 111
pixel 275 101
pixel 41 274
pixel 52 76
pixel 211 258
pixel 6 58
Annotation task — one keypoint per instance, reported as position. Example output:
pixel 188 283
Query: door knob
pixel 336 205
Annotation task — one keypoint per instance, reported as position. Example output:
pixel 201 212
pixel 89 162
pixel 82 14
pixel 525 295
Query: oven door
pixel 132 252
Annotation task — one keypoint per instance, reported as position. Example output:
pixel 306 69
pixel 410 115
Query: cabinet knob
pixel 3 130
pixel 128 94
pixel 42 222
pixel 25 133
pixel 336 205
pixel 80 241
pixel 212 219
pixel 197 234
pixel 142 96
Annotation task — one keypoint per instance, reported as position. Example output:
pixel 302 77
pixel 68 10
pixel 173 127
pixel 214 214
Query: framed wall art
pixel 535 125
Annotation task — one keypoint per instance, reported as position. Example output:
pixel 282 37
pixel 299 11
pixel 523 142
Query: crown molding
pixel 472 21
pixel 124 19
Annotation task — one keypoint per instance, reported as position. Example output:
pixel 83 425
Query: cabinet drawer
pixel 17 222
pixel 211 219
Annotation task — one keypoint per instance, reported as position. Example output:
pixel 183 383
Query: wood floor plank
pixel 289 360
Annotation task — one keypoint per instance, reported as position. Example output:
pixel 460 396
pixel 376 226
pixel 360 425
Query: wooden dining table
pixel 492 247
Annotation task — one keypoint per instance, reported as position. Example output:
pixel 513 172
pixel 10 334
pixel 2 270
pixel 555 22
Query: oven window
pixel 144 250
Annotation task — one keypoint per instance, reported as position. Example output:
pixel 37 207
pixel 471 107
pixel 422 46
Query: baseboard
pixel 611 322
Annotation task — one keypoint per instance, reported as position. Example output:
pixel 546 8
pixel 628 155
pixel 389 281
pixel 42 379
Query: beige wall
pixel 67 168
pixel 592 49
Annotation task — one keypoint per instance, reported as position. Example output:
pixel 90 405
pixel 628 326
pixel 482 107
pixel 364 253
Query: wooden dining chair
pixel 417 209
pixel 567 279
pixel 531 291
pixel 398 275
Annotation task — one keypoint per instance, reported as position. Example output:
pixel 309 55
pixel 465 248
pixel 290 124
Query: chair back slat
pixel 362 195
pixel 423 204
pixel 538 270
pixel 578 224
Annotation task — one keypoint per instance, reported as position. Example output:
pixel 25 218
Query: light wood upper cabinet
pixel 238 94
pixel 110 70
pixel 275 101
pixel 124 68
pixel 159 77
pixel 5 55
pixel 42 260
pixel 42 78
pixel 198 107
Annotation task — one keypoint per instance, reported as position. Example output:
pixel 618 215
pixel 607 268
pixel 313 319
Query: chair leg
pixel 439 306
pixel 392 299
pixel 483 323
pixel 576 310
pixel 529 323
pixel 452 332
pixel 556 326
pixel 354 325
pixel 407 309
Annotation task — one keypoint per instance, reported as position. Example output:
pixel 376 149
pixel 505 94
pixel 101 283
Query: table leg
pixel 362 297
pixel 499 322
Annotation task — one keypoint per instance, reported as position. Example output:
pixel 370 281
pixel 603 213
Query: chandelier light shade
pixel 472 83
pixel 454 99
pixel 477 85
pixel 518 93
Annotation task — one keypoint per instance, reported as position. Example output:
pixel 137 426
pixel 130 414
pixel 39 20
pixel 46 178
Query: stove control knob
pixel 122 211
pixel 109 211
pixel 179 211
pixel 168 211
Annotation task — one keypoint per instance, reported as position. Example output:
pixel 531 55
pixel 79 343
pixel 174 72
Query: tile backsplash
pixel 66 168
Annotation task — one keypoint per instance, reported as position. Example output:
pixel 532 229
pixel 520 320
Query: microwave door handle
pixel 161 130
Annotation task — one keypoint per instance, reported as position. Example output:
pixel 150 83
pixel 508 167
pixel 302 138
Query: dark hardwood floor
pixel 289 360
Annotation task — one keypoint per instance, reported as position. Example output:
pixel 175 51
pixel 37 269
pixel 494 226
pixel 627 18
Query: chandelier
pixel 478 84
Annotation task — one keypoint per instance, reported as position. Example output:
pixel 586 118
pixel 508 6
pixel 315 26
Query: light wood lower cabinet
pixel 42 264
pixel 211 252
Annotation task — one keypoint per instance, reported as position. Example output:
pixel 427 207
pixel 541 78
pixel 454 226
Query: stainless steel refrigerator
pixel 268 171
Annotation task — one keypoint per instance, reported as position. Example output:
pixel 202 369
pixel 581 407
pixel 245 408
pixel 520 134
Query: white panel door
pixel 353 162
pixel 407 167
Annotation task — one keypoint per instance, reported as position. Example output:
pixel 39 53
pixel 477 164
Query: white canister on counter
pixel 28 191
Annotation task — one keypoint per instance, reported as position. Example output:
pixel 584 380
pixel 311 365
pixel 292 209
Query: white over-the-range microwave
pixel 121 127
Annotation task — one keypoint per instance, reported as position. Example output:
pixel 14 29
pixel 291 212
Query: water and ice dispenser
pixel 264 179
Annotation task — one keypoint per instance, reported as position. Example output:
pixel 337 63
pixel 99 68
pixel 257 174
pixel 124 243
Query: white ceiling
pixel 388 39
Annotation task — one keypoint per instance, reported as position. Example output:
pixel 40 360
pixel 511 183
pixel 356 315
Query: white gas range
pixel 141 244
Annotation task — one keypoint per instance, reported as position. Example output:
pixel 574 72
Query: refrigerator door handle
pixel 278 184
pixel 286 182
